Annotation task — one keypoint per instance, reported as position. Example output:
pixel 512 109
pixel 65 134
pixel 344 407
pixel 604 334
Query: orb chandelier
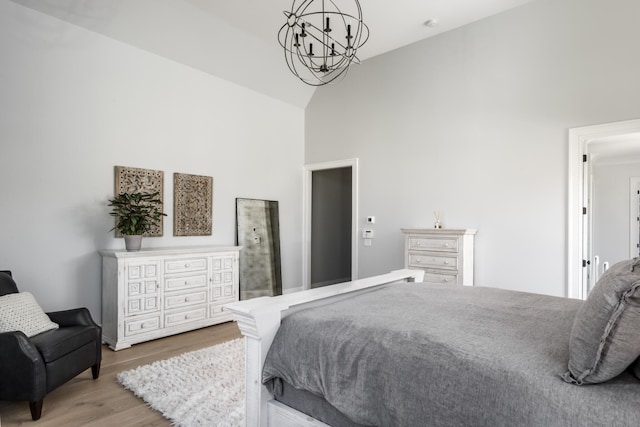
pixel 320 40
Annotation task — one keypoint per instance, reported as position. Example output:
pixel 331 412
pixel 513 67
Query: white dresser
pixel 446 256
pixel 154 293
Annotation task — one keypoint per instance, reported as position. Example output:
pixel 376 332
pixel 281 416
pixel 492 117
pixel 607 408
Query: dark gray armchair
pixel 32 367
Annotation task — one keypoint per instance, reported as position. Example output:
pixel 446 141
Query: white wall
pixel 473 123
pixel 75 104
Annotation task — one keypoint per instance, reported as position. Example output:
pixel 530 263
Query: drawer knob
pixel 417 243
pixel 446 245
pixel 446 262
pixel 186 299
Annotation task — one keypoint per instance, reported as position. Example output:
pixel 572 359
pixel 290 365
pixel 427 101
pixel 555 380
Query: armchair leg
pixel 36 409
pixel 95 370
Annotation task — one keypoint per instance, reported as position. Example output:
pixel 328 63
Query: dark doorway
pixel 331 223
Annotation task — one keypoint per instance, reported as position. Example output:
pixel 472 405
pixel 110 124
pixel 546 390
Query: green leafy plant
pixel 136 213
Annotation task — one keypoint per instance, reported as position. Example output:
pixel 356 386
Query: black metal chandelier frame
pixel 307 29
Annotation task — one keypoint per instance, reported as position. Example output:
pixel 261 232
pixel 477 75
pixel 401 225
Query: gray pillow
pixel 636 369
pixel 605 338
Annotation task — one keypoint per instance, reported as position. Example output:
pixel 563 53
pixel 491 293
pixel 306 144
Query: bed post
pixel 259 328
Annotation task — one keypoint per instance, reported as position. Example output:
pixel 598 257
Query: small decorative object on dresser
pixel 446 256
pixel 437 224
pixel 156 293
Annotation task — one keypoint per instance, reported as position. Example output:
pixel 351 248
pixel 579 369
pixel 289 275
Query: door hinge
pixel 585 262
pixel 584 211
pixel 584 158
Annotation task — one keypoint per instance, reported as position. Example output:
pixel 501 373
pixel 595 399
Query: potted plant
pixel 135 214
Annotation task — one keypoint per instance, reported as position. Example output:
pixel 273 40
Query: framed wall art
pixel 192 205
pixel 136 180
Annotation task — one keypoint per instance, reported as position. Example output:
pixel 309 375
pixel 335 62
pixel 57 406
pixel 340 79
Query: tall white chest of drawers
pixel 446 256
pixel 155 293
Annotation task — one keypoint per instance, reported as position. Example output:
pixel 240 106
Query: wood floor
pixel 104 402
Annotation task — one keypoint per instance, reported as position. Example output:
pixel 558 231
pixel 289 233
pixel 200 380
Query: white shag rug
pixel 199 388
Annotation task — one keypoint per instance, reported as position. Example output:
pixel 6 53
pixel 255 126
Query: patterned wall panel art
pixel 136 180
pixel 192 205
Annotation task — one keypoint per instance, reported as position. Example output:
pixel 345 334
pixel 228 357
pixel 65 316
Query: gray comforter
pixel 430 355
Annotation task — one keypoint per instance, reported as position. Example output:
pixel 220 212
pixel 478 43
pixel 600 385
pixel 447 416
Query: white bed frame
pixel 260 318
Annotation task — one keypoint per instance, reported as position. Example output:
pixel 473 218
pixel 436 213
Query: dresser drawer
pixel 185 265
pixel 446 279
pixel 185 282
pixel 217 311
pixel 437 244
pixel 185 316
pixel 433 261
pixel 185 299
pixel 141 326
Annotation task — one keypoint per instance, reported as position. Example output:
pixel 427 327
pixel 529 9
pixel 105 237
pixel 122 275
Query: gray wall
pixel 473 123
pixel 75 103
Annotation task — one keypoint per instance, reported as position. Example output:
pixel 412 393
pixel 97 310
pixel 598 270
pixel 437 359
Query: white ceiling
pixel 393 24
pixel 237 39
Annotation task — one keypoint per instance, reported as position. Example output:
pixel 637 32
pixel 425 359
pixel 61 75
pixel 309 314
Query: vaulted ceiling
pixel 237 39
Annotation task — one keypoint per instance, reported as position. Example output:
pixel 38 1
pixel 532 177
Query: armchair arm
pixel 22 370
pixel 73 317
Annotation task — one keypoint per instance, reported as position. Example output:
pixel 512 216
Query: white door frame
pixel 306 215
pixel 579 139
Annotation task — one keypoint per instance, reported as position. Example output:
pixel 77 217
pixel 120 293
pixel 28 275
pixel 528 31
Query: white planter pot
pixel 132 243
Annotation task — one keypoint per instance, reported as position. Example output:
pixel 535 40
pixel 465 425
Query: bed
pixel 391 351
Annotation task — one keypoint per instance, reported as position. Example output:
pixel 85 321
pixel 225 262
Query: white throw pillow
pixel 20 312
